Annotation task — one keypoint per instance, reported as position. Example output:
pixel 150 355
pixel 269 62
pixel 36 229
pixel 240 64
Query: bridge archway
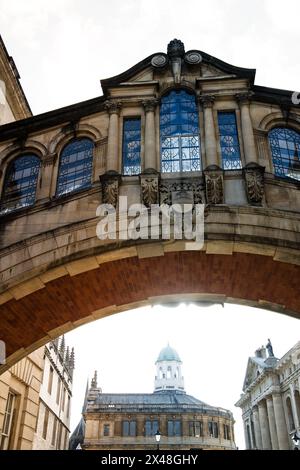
pixel 91 287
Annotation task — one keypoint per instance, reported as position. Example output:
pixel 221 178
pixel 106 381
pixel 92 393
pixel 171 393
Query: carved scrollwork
pixel 110 183
pixel 254 178
pixel 214 185
pixel 190 190
pixel 149 190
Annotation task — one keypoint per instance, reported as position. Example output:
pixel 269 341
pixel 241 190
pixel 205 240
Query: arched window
pixel 179 132
pixel 290 414
pixel 285 148
pixel 20 183
pixel 75 167
pixel 169 372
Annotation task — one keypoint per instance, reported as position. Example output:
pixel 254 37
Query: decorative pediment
pixel 177 63
pixel 252 372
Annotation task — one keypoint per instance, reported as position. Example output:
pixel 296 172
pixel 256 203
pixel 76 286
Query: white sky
pixel 62 48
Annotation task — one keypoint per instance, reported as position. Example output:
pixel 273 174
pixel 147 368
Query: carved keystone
pixel 254 178
pixel 214 184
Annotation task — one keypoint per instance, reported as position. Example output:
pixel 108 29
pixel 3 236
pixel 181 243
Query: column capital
pixel 244 97
pixel 112 106
pixel 150 104
pixel 207 101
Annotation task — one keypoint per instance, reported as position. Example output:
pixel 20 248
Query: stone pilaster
pixel 282 434
pixel 214 184
pixel 294 407
pixel 43 191
pixel 254 179
pixel 247 128
pixel 149 181
pixel 272 424
pixel 207 102
pixel 113 108
pixel 257 430
pixel 150 141
pixel 110 183
pixel 264 426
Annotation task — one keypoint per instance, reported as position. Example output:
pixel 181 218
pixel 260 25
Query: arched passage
pixel 68 301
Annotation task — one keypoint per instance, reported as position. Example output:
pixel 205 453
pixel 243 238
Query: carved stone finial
pixel 94 381
pixel 254 178
pixel 176 48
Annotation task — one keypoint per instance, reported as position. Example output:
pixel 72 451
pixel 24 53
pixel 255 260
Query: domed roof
pixel 168 354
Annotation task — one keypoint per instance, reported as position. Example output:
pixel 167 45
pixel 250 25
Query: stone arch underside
pixel 72 299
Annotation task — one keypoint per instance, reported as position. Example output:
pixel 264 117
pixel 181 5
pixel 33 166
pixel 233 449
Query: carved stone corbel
pixel 214 184
pixel 110 183
pixel 149 181
pixel 254 179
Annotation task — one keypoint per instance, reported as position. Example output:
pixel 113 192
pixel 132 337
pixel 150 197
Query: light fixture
pixel 157 438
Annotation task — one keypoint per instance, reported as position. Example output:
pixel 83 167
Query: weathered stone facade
pixel 113 421
pixel 252 214
pixel 270 401
pixel 35 400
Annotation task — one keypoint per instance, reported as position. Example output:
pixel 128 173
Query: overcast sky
pixel 62 49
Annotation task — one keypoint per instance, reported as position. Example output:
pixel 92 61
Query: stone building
pixel 178 126
pixel 130 421
pixel 35 400
pixel 270 401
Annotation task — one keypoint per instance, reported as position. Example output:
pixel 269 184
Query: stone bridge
pixel 179 127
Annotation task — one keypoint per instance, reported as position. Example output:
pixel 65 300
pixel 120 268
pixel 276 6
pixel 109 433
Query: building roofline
pixel 15 71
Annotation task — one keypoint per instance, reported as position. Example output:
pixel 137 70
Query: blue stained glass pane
pixel 229 141
pixel 179 133
pixel 75 167
pixel 20 184
pixel 131 146
pixel 285 148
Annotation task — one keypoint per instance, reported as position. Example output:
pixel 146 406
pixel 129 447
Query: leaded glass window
pixel 129 428
pixel 131 146
pixel 179 133
pixel 20 184
pixel 229 141
pixel 75 167
pixel 285 148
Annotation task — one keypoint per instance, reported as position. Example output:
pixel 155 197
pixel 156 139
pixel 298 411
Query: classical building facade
pixel 270 401
pixel 179 126
pixel 131 421
pixel 35 400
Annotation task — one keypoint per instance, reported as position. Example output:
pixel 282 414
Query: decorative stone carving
pixel 112 106
pixel 186 191
pixel 110 183
pixel 214 184
pixel 159 60
pixel 49 160
pixel 149 188
pixel 254 178
pixel 150 105
pixel 193 58
pixel 244 97
pixel 207 101
pixel 176 54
